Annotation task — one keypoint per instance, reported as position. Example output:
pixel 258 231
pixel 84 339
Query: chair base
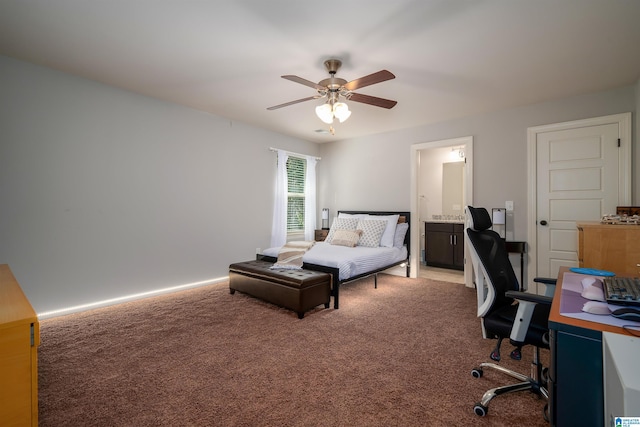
pixel 535 383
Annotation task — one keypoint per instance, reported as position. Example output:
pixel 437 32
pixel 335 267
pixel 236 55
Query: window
pixel 295 198
pixel 296 169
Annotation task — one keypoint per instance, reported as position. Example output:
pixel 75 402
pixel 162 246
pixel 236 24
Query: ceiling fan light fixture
pixel 341 111
pixel 325 113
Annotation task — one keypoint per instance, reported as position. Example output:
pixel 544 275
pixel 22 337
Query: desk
pixel 576 373
pixel 519 248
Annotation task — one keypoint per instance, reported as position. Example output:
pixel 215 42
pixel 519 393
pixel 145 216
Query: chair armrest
pixel 528 297
pixel 545 280
pixel 550 284
pixel 526 304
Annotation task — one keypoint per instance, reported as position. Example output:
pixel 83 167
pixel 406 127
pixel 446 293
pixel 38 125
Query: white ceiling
pixel 451 58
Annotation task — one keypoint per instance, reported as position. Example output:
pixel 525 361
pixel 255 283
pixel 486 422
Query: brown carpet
pixel 399 355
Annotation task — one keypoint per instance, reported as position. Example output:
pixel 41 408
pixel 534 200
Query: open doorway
pixel 440 190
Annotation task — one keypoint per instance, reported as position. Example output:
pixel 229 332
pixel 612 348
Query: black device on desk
pixel 622 291
pixel 627 313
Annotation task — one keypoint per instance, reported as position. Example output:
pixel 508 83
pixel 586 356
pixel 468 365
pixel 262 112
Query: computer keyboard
pixel 622 290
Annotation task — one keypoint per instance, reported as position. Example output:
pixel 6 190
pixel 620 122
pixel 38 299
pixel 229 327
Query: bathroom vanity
pixel 444 244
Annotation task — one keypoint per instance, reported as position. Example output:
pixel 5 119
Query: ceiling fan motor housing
pixel 333 83
pixel 332 65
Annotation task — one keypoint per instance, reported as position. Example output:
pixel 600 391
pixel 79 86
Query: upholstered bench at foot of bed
pixel 297 290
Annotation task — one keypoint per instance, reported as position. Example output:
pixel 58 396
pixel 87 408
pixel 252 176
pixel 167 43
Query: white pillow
pixel 347 215
pixel 401 231
pixel 341 224
pixel 390 230
pixel 347 238
pixel 372 230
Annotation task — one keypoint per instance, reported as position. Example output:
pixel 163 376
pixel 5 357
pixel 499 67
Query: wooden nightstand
pixel 321 235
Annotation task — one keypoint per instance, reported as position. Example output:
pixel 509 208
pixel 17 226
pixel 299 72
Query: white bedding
pixel 350 261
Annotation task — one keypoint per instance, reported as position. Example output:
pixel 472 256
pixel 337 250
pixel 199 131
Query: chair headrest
pixel 479 219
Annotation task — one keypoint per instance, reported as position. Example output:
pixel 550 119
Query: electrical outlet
pixel 258 251
pixel 508 205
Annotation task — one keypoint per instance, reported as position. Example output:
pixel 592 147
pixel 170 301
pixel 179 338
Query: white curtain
pixel 310 199
pixel 279 227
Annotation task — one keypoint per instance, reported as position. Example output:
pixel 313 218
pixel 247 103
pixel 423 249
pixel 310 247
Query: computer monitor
pixel 621 377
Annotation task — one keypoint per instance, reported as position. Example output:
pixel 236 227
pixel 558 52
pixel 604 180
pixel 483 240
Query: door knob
pixel 543 222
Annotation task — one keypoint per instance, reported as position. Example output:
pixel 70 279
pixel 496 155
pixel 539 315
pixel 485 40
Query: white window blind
pixel 296 169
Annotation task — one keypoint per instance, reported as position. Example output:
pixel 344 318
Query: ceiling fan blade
pixel 372 100
pixel 371 79
pixel 304 82
pixel 286 104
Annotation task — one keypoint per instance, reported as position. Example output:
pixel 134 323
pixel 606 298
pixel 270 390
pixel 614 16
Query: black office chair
pixel 504 310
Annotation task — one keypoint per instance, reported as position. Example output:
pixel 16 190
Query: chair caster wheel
pixel 545 375
pixel 545 413
pixel 480 410
pixel 476 373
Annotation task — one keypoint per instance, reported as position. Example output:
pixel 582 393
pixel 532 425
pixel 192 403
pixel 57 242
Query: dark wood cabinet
pixel 321 235
pixel 444 245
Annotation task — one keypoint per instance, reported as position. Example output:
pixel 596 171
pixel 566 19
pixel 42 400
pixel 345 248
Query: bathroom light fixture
pixel 457 153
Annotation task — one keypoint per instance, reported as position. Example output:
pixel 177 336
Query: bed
pixel 346 264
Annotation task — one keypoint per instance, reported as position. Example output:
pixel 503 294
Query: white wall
pixel 105 193
pixel 635 173
pixel 374 172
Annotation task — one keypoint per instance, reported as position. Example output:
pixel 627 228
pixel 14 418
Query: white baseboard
pixel 127 298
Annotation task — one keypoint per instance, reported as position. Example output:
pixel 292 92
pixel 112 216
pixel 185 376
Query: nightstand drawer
pixel 321 235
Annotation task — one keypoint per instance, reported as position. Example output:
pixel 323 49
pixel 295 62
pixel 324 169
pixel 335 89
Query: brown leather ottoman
pixel 297 290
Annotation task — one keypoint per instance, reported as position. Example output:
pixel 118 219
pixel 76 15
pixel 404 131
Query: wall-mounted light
pixel 457 154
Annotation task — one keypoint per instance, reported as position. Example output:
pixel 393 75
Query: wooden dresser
pixel 19 340
pixel 613 247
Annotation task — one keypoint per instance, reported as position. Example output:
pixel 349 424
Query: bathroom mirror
pixel 452 188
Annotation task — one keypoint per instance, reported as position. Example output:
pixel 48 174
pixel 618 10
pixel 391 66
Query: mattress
pixel 350 262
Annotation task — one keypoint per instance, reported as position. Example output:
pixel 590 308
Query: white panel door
pixel 577 180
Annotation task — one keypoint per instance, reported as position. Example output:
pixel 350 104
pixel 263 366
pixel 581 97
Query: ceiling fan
pixel 335 88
